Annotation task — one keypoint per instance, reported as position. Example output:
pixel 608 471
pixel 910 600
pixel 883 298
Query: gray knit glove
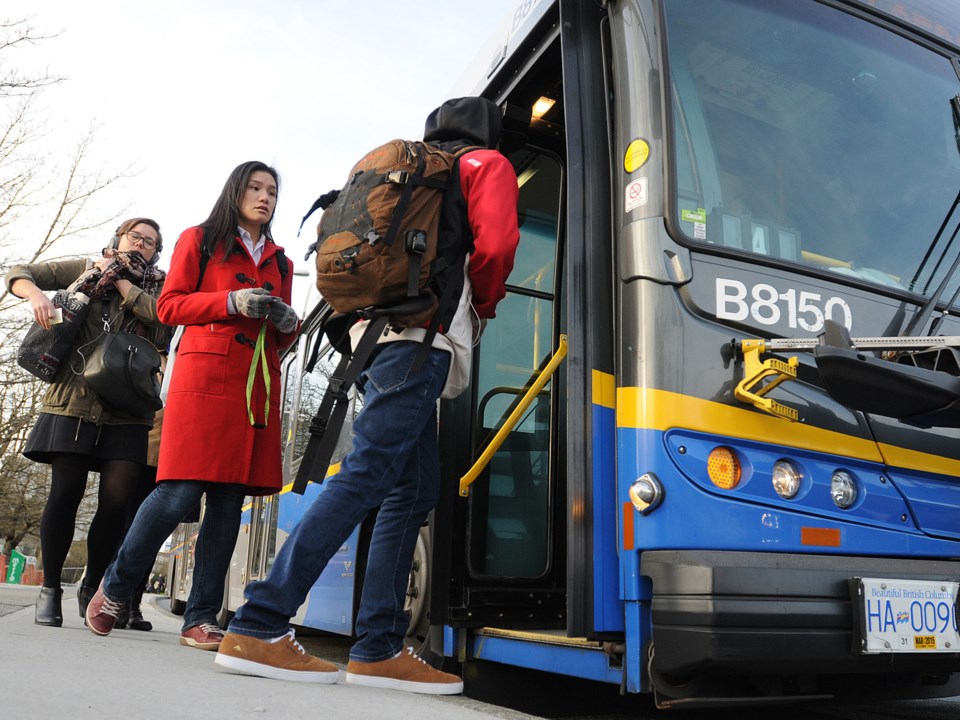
pixel 252 302
pixel 283 316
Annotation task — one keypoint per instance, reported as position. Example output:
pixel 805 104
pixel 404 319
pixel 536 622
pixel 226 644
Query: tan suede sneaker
pixel 406 672
pixel 283 659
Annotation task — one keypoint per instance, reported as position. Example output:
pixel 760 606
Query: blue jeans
pixel 394 464
pixel 157 518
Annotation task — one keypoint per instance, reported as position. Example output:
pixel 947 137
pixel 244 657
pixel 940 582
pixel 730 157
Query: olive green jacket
pixel 69 393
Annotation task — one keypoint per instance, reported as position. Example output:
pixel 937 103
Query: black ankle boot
pixel 84 594
pixel 137 622
pixel 49 609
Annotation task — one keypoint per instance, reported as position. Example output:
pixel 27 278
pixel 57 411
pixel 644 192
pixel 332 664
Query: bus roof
pixel 512 31
pixel 936 18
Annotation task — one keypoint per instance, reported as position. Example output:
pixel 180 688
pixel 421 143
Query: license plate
pixel 908 616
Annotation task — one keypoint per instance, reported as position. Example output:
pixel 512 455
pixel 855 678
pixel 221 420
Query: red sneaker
pixel 205 636
pixel 102 612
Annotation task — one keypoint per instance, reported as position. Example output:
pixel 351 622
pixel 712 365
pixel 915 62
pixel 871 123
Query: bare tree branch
pixel 58 196
pixel 13 34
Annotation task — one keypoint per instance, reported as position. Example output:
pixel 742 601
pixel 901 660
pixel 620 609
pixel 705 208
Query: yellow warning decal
pixel 637 153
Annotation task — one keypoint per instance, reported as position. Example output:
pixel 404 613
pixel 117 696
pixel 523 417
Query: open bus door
pixel 518 553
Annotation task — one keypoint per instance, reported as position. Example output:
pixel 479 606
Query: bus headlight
pixel 786 479
pixel 723 468
pixel 843 489
pixel 646 493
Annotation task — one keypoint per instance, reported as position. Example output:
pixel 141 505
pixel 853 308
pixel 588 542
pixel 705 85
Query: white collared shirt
pixel 256 251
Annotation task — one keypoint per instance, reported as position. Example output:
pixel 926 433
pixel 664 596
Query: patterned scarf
pixel 97 284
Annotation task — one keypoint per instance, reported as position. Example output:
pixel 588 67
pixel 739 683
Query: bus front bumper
pixel 768 614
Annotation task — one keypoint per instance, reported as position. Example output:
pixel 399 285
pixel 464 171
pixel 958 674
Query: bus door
pixel 501 555
pixel 512 547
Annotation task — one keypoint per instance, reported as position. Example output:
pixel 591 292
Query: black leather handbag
pixel 124 370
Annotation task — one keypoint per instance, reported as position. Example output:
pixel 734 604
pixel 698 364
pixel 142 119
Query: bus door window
pixel 510 509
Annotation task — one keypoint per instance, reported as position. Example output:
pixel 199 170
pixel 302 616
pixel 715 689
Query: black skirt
pixel 54 434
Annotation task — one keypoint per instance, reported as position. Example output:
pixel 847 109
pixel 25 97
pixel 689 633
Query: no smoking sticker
pixel 635 194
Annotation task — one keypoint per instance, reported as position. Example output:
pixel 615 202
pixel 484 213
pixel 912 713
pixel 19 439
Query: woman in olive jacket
pixel 75 433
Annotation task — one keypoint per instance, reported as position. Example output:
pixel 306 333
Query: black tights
pixel 69 480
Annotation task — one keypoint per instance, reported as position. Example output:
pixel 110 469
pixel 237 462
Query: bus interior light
pixel 542 106
pixel 786 479
pixel 723 468
pixel 843 489
pixel 646 493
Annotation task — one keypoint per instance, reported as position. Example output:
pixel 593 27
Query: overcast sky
pixel 188 89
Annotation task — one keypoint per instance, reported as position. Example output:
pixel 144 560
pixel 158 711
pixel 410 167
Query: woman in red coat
pixel 229 284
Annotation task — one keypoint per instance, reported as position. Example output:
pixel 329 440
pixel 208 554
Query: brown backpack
pixel 378 248
pixel 377 242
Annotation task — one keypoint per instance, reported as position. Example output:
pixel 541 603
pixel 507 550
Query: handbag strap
pixel 106 318
pixel 105 315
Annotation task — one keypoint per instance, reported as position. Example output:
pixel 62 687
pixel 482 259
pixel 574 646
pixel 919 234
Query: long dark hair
pixel 221 225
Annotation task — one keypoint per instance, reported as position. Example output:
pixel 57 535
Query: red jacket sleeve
pixel 489 186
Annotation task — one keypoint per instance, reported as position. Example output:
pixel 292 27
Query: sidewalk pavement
pixel 70 673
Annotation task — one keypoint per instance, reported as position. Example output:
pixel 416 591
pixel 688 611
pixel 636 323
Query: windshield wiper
pixel 920 319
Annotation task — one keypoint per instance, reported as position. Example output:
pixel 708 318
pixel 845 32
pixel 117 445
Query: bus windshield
pixel 812 135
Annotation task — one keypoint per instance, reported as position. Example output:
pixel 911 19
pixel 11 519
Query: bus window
pixel 313 386
pixel 264 534
pixel 802 133
pixel 287 393
pixel 509 510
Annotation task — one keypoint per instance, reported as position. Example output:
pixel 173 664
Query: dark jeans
pixel 157 518
pixel 394 464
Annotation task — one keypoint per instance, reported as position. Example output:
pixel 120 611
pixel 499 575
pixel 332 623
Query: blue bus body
pixel 714 177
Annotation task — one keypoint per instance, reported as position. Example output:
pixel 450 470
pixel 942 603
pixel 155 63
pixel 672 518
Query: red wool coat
pixel 207 433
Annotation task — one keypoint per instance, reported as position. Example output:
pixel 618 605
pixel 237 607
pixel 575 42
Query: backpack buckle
pixel 416 242
pixel 400 177
pixel 336 389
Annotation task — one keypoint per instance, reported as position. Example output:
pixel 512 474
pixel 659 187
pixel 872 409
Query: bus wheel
pixel 418 597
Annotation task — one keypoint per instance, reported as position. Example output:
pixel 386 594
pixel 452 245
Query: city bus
pixel 711 447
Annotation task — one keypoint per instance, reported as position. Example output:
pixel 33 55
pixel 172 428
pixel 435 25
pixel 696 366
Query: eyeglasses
pixel 148 242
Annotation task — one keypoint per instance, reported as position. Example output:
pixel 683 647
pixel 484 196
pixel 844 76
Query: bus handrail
pixel 468 479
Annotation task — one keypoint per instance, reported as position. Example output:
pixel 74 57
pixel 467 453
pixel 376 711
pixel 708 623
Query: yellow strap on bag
pixel 259 354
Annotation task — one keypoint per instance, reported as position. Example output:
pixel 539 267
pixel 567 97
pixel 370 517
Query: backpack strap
pixel 204 260
pixel 444 302
pixel 456 260
pixel 326 424
pixel 283 264
pixel 415 243
pixel 408 182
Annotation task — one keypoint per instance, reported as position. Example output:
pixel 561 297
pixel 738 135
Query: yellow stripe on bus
pixel 604 390
pixel 900 457
pixel 332 470
pixel 663 410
